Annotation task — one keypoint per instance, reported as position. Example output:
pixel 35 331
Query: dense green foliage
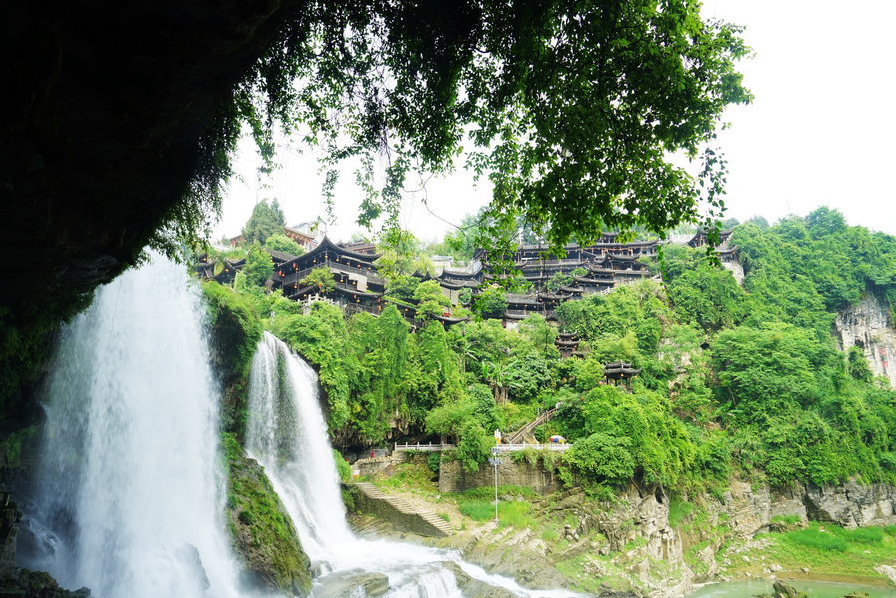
pixel 794 407
pixel 490 303
pixel 732 380
pixel 322 278
pixel 431 301
pixel 280 242
pixel 736 379
pixel 257 268
pixel 410 79
pixel 400 256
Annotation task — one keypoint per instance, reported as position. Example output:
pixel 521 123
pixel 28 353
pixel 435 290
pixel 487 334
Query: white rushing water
pixel 288 436
pixel 130 494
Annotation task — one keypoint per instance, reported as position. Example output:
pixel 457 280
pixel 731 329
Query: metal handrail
pixel 423 447
pixel 552 446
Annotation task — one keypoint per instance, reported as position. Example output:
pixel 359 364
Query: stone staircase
pixel 518 436
pixel 401 513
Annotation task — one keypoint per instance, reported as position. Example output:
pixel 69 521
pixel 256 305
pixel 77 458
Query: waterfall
pixel 288 436
pixel 130 495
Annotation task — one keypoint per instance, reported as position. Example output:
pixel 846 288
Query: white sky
pixel 821 130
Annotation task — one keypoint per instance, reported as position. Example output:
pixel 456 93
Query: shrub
pixel 478 510
pixel 866 535
pixel 601 458
pixel 815 538
pixel 342 467
pixel 678 510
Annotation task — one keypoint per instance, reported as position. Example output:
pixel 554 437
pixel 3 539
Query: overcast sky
pixel 821 130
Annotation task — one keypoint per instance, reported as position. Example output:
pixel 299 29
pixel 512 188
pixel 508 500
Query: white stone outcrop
pixel 869 326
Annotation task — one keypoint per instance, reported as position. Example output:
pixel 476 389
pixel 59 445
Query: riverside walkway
pixel 502 448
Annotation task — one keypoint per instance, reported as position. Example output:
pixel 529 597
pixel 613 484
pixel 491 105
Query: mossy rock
pixel 262 531
pixel 36 584
pixel 235 330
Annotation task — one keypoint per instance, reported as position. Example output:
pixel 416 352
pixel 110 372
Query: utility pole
pixel 495 460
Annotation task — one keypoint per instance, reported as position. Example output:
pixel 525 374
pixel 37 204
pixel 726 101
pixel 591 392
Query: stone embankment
pixel 403 515
pixel 453 478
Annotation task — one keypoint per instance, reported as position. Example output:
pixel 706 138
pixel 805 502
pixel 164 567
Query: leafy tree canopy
pixel 402 287
pixel 266 219
pixel 431 301
pixel 322 278
pixel 490 303
pixel 400 255
pixel 571 109
pixel 280 242
pixel 258 266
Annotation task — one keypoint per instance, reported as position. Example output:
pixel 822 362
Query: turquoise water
pixel 815 589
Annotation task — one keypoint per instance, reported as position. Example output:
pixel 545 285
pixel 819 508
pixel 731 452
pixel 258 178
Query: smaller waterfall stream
pixel 288 436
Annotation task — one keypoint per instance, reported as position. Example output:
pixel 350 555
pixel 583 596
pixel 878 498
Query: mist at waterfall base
pixel 129 500
pixel 287 434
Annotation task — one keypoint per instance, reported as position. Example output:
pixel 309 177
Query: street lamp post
pixel 495 460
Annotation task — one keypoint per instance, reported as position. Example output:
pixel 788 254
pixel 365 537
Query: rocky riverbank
pixel 651 544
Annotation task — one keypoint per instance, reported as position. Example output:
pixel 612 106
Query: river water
pixel 815 589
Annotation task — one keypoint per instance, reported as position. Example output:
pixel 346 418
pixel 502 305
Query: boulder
pixel 784 590
pixel 263 534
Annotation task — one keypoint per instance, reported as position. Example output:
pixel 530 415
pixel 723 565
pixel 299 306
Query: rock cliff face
pixel 737 270
pixel 869 326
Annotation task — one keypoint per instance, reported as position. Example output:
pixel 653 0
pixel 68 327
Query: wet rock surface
pixel 263 533
pixel 349 585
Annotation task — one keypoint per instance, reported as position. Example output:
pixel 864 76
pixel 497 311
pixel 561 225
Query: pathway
pixel 428 524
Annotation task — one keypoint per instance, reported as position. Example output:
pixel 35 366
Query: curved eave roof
pixel 450 320
pixel 326 245
pixel 593 281
pixel 280 255
pixel 516 316
pixel 458 285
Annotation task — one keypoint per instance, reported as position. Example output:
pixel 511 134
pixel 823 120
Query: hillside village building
pixel 583 270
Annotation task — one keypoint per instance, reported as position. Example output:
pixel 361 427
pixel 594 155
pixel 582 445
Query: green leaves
pixel 266 220
pixel 321 278
pixel 571 108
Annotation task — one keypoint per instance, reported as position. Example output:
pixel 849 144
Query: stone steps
pixel 518 436
pixel 439 525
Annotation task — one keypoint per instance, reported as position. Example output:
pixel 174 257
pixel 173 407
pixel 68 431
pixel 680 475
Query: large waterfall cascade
pixel 130 495
pixel 288 436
